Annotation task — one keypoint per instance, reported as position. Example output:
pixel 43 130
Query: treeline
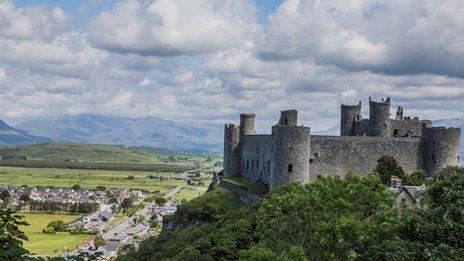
pixel 66 207
pixel 354 218
pixel 94 165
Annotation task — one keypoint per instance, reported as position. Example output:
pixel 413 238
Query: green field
pixel 40 243
pixel 85 178
pixel 189 193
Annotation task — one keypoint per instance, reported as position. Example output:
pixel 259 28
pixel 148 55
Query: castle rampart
pixel 291 154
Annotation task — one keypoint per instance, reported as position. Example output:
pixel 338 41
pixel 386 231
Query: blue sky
pixel 74 6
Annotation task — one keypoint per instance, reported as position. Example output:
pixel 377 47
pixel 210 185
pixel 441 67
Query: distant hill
pixel 148 131
pixel 82 152
pixel 10 135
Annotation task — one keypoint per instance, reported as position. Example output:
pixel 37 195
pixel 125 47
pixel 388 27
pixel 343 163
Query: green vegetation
pixel 189 193
pixel 330 219
pixel 85 178
pixel 387 166
pixel 11 245
pixel 41 243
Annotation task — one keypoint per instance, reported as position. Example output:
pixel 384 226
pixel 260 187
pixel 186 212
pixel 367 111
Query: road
pixel 127 222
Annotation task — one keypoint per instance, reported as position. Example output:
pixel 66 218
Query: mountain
pixel 334 131
pixel 10 136
pixel 148 131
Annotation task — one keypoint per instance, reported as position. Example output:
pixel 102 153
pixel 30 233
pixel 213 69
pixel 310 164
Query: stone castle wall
pixel 335 155
pixel 256 157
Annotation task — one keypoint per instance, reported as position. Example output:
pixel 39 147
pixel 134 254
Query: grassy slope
pixel 88 152
pixel 40 243
pixel 85 178
pixel 188 193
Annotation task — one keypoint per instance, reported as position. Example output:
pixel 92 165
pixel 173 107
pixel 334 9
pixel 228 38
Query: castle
pixel 291 154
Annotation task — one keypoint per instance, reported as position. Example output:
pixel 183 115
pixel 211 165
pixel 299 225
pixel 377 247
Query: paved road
pixel 127 222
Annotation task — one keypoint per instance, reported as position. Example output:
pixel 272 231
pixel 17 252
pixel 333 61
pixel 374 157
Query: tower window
pixel 248 165
pixel 433 159
pixel 459 159
pixel 257 164
pixel 286 121
pixel 395 132
pixel 290 168
pixel 268 166
pixel 252 164
pixel 433 144
pixel 316 155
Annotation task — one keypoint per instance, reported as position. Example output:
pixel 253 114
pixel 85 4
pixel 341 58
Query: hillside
pixel 82 152
pixel 148 131
pixel 10 135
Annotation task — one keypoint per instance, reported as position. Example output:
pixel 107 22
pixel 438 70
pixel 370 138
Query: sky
pixel 210 60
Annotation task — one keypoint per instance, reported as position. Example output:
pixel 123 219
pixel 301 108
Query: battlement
pixel 291 154
pixel 386 102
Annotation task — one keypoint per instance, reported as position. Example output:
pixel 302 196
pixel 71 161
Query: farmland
pixel 85 178
pixel 188 193
pixel 40 243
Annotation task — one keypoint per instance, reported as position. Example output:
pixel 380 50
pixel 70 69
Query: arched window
pixel 290 168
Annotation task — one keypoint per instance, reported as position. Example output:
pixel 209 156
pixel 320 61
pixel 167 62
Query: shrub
pixel 387 166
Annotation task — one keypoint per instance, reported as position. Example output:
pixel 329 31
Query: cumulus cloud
pixel 174 27
pixel 390 37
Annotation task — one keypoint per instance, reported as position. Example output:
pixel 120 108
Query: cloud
pixel 174 27
pixel 390 37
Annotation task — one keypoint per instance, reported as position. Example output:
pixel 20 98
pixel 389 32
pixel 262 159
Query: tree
pixel 11 245
pixel 24 197
pixel 58 226
pixel 435 231
pixel 76 187
pixel 387 166
pixel 98 241
pixel 417 178
pixel 160 201
pixel 126 203
pixel 4 195
pixel 100 188
pixel 131 177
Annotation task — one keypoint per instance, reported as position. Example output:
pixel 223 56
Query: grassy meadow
pixel 42 244
pixel 85 178
pixel 188 193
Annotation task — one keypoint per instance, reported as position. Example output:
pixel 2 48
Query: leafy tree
pixel 76 187
pixel 450 171
pixel 131 177
pixel 100 188
pixel 58 226
pixel 98 241
pixel 11 245
pixel 435 231
pixel 160 201
pixel 4 195
pixel 417 178
pixel 24 197
pixel 126 203
pixel 387 166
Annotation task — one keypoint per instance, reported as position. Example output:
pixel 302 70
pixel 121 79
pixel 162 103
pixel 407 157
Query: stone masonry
pixel 291 154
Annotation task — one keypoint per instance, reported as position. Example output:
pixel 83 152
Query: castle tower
pixel 442 148
pixel 231 152
pixel 290 153
pixel 247 124
pixel 289 118
pixel 379 118
pixel 349 115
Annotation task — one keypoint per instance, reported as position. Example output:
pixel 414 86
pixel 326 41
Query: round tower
pixel 442 148
pixel 247 124
pixel 349 115
pixel 289 118
pixel 379 118
pixel 290 155
pixel 231 153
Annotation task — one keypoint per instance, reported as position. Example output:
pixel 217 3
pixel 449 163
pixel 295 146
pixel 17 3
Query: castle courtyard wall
pixel 256 157
pixel 341 154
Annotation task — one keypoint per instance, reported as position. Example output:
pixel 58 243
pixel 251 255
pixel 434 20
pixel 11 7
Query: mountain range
pixel 148 131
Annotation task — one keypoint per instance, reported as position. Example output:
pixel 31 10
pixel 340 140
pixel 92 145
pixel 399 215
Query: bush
pixel 127 203
pixel 417 178
pixel 48 230
pixel 100 188
pixel 58 226
pixel 160 201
